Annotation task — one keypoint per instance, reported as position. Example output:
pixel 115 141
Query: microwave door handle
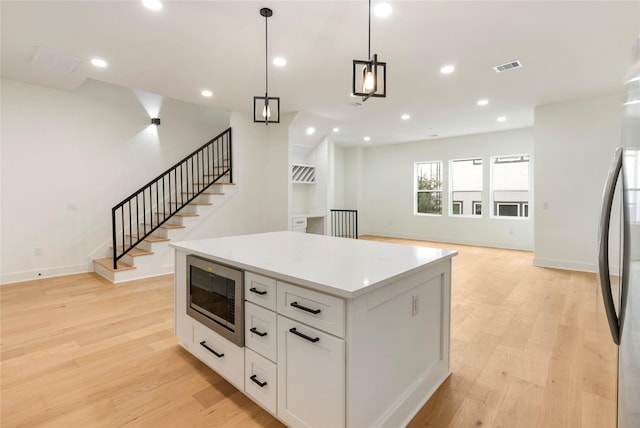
pixel 603 245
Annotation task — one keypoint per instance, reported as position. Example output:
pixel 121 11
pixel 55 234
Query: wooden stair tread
pixel 181 214
pixel 169 226
pixel 135 252
pixel 194 203
pixel 152 238
pixel 107 263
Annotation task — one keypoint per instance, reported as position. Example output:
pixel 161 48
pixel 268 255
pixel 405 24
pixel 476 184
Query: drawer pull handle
pixel 255 290
pixel 204 345
pixel 313 311
pixel 304 336
pixel 256 381
pixel 255 330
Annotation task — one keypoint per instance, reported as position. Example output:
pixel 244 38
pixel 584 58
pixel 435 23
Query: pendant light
pixel 369 78
pixel 266 109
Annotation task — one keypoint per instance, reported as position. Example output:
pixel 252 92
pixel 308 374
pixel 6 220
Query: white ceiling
pixel 569 50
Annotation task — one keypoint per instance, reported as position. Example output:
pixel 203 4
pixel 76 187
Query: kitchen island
pixel 358 331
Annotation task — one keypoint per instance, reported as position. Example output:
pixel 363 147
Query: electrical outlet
pixel 37 251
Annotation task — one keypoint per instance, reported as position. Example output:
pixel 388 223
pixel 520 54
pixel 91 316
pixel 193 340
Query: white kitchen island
pixel 372 356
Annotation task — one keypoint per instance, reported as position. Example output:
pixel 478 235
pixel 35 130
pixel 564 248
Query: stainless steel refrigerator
pixel 620 274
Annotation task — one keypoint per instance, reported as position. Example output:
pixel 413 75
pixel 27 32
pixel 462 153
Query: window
pixel 466 187
pixel 428 187
pixel 510 186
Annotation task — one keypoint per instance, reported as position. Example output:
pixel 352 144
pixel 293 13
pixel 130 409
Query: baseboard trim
pixel 10 278
pixel 564 264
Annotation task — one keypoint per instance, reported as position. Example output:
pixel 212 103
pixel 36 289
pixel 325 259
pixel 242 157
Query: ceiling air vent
pixel 54 60
pixel 508 66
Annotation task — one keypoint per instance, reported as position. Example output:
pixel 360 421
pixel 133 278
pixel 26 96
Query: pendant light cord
pixel 266 58
pixel 369 57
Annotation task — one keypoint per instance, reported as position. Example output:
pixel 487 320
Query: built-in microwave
pixel 215 297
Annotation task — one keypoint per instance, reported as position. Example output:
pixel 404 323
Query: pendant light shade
pixel 266 109
pixel 369 77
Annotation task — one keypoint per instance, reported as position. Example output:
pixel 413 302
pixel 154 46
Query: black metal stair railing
pixel 344 223
pixel 139 215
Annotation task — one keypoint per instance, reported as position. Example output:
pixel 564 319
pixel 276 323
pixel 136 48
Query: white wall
pixel 68 157
pixel 387 204
pixel 575 142
pixel 259 200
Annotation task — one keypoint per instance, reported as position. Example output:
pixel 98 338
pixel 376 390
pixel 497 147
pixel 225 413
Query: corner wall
pixel 575 142
pixel 68 157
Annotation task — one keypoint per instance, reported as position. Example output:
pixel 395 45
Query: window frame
pixel 416 191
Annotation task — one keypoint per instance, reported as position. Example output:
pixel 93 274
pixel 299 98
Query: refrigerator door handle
pixel 603 245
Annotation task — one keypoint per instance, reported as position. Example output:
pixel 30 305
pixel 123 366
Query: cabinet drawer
pixel 218 353
pixel 310 307
pixel 298 222
pixel 260 290
pixel 260 380
pixel 260 330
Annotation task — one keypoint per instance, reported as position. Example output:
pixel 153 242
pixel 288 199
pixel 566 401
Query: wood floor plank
pixel 530 347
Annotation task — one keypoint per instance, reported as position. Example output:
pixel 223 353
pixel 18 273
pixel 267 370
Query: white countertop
pixel 339 266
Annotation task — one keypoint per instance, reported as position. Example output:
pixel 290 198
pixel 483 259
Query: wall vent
pixel 508 66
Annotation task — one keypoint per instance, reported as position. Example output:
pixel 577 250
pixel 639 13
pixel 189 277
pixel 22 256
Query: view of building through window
pixel 466 187
pixel 509 196
pixel 428 187
pixel 510 186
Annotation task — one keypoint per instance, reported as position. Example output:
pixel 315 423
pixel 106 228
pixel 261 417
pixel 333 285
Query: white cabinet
pixel 260 330
pixel 260 380
pixel 218 353
pixel 311 376
pixel 299 224
pixel 311 307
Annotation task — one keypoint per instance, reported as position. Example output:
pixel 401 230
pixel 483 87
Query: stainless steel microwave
pixel 215 297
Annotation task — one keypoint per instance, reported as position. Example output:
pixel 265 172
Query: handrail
pixel 344 223
pixel 168 193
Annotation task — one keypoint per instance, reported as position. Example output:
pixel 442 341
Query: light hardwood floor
pixel 530 347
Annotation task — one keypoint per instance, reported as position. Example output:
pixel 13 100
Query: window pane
pixel 466 184
pixel 430 202
pixel 457 208
pixel 510 185
pixel 507 210
pixel 429 176
pixel 477 208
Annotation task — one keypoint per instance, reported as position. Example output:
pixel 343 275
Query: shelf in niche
pixel 303 174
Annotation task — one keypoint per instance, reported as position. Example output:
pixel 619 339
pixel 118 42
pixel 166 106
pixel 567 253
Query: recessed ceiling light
pixel 279 61
pixel 405 117
pixel 97 62
pixel 152 4
pixel 311 130
pixel 447 69
pixel 483 102
pixel 206 93
pixel 336 129
pixel 367 138
pixel 501 119
pixel 382 10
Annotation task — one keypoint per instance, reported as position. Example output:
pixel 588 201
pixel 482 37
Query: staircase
pixel 165 209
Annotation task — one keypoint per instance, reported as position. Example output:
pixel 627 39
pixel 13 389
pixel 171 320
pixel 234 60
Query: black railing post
pixel 113 236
